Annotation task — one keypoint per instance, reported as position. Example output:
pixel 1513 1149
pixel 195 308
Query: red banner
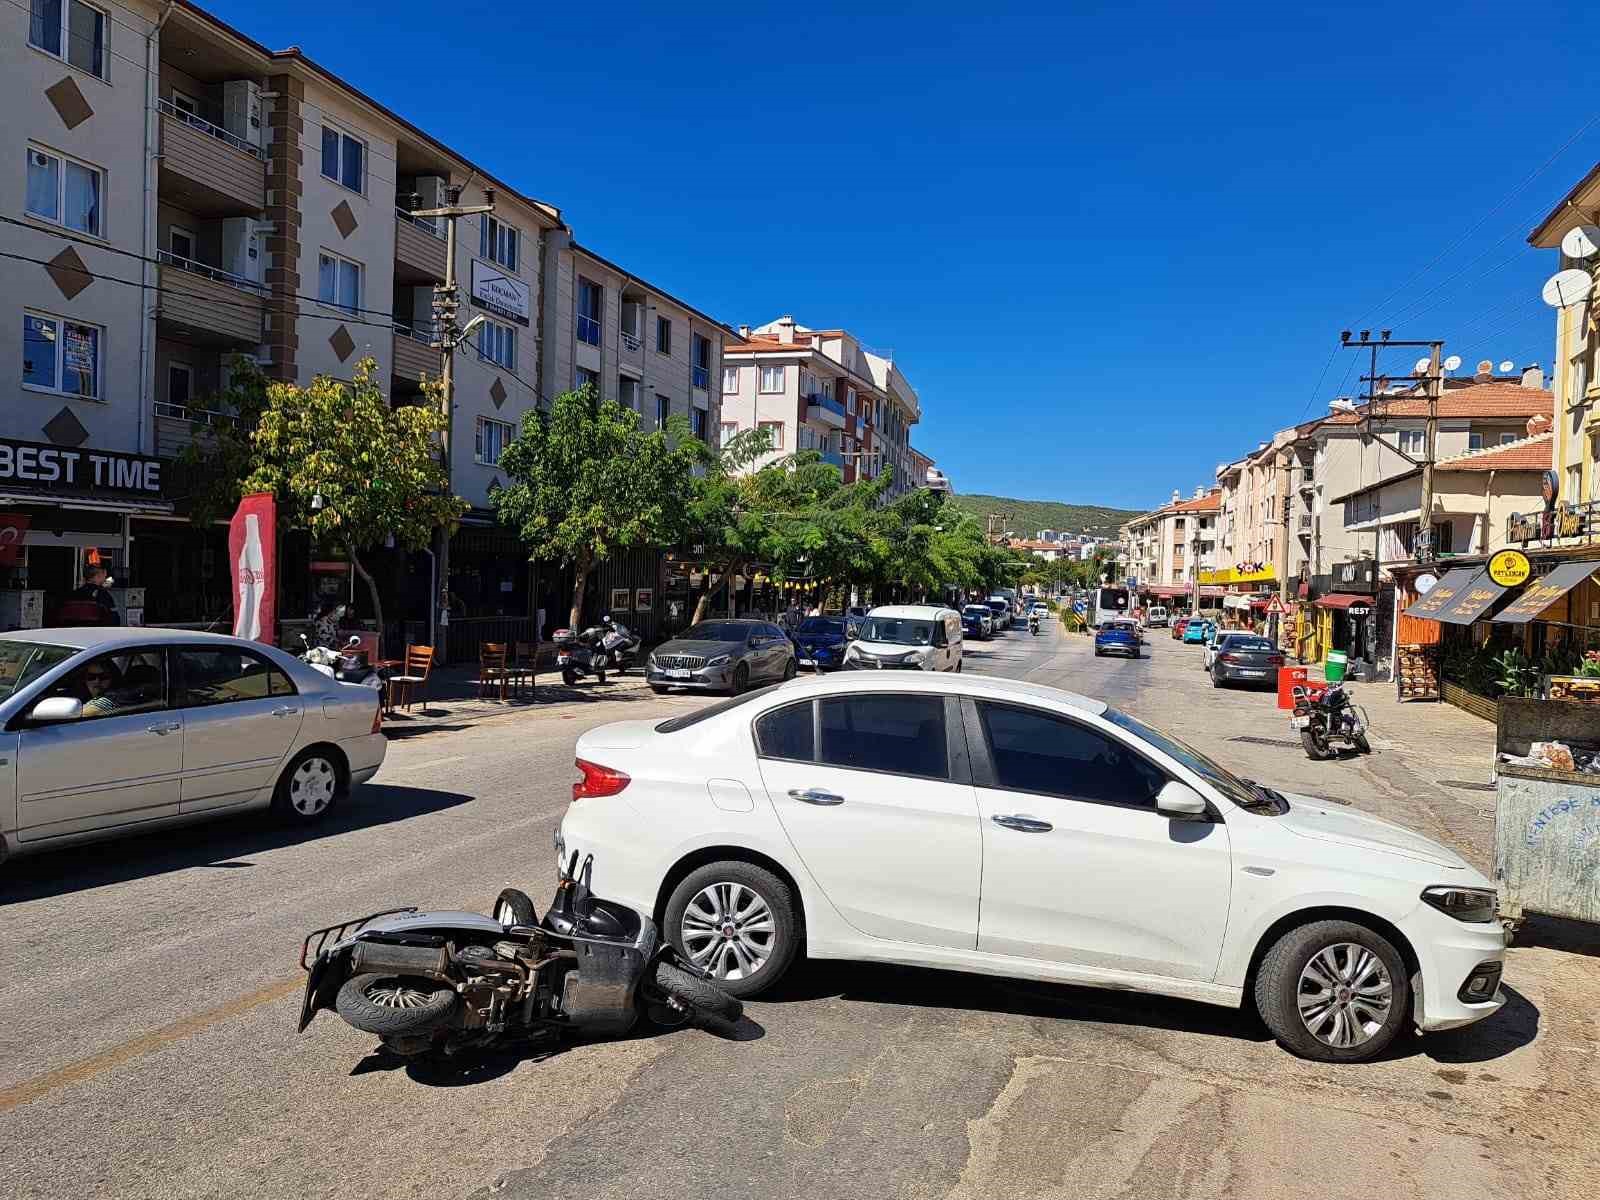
pixel 12 527
pixel 252 554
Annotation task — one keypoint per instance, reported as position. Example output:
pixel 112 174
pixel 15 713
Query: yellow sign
pixel 1250 573
pixel 1509 568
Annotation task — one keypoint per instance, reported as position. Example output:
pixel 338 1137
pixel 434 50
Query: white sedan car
pixel 1001 827
pixel 111 731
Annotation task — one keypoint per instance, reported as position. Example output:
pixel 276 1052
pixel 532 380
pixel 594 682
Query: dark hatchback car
pixel 820 641
pixel 725 656
pixel 1246 658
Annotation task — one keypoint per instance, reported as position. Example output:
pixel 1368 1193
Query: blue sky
pixel 1111 247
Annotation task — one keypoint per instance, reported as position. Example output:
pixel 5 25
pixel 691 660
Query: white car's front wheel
pixel 1334 991
pixel 736 922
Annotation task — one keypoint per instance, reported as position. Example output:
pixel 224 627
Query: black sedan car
pixel 1246 658
pixel 722 656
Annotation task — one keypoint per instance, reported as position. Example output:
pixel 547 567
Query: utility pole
pixel 1425 516
pixel 446 305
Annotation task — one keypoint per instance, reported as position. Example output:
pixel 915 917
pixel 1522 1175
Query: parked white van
pixel 907 637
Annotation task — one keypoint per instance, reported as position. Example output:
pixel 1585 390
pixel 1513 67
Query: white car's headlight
pixel 720 660
pixel 1475 905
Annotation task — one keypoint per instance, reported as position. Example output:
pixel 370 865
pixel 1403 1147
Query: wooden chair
pixel 492 668
pixel 526 666
pixel 418 662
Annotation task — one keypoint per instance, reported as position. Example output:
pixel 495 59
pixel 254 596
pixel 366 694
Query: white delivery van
pixel 907 637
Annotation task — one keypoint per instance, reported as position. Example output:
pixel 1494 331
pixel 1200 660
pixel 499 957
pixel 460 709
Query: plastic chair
pixel 418 663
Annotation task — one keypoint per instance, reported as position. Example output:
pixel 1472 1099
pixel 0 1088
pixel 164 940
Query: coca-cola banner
pixel 252 554
pixel 12 528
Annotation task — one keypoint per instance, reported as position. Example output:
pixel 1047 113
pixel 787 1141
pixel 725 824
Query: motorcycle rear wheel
pixel 1359 741
pixel 1316 743
pixel 569 677
pixel 710 1007
pixel 394 1005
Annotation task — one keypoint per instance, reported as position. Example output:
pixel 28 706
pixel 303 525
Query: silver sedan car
pixel 112 731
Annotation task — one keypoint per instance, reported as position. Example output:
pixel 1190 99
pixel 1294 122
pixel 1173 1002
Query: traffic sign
pixel 1275 606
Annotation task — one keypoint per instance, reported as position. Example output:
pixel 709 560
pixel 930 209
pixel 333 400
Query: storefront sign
pixel 96 472
pixel 1251 572
pixel 252 553
pixel 501 294
pixel 1510 568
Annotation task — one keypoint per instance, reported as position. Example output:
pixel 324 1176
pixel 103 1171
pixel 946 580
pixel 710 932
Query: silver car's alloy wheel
pixel 312 786
pixel 728 930
pixel 395 995
pixel 1345 995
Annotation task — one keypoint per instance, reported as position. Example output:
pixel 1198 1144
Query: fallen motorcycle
pixel 448 982
pixel 1326 718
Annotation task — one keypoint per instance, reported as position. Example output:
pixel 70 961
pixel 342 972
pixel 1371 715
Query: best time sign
pixel 40 467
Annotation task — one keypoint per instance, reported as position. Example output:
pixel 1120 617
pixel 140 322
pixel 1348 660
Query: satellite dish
pixel 1566 288
pixel 1506 367
pixel 1452 363
pixel 1581 242
pixel 1419 367
pixel 1342 405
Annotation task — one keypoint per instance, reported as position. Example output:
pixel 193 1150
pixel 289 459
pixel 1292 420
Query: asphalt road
pixel 150 991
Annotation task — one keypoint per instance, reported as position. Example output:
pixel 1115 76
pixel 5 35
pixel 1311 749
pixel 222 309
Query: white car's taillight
pixel 598 780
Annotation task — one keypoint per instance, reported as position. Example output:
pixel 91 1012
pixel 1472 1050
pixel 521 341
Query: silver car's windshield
pixel 1242 792
pixel 899 630
pixel 23 662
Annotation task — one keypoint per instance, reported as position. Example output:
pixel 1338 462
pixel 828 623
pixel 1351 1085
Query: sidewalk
pixel 452 700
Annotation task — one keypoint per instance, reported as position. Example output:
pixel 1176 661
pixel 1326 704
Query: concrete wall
pixel 112 137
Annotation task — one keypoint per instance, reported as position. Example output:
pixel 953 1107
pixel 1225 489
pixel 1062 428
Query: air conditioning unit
pixel 241 109
pixel 241 247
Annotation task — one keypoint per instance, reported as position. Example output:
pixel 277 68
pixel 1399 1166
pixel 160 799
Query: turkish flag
pixel 252 555
pixel 12 527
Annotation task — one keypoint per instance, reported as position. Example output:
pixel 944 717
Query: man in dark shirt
pixel 94 588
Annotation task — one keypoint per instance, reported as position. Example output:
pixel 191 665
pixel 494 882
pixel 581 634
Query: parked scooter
pixel 1329 718
pixel 349 665
pixel 447 982
pixel 608 646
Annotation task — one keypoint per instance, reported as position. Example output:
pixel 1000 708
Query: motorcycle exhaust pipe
pixel 383 958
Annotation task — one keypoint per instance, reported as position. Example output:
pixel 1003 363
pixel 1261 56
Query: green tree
pixel 347 466
pixel 586 481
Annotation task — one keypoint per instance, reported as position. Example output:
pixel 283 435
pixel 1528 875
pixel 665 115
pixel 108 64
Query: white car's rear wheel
pixel 736 922
pixel 309 786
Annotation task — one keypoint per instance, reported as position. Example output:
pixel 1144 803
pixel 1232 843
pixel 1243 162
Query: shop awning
pixel 1236 602
pixel 1259 603
pixel 1442 594
pixel 120 504
pixel 1174 590
pixel 1344 600
pixel 1472 601
pixel 1541 593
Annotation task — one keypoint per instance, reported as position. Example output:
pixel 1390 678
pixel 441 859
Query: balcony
pixel 419 248
pixel 207 170
pixel 1303 525
pixel 702 378
pixel 178 425
pixel 825 409
pixel 415 355
pixel 206 305
pixel 630 341
pixel 834 457
pixel 588 329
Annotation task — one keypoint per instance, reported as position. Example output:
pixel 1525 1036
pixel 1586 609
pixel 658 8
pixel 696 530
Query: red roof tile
pixel 1498 399
pixel 1529 454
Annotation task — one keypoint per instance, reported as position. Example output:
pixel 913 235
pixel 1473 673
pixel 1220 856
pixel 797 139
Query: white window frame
pixel 1474 441
pixel 194 242
pixel 578 379
pixel 777 435
pixel 497 344
pixel 60 219
pixel 772 379
pixel 507 433
pixel 500 242
pixel 729 430
pixel 1507 437
pixel 597 319
pixel 730 374
pixel 60 322
pixel 65 34
pixel 850 400
pixel 663 415
pixel 344 136
pixel 340 262
pixel 185 104
pixel 633 383
pixel 1411 442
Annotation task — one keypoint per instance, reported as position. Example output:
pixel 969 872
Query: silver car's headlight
pixel 720 660
pixel 1475 905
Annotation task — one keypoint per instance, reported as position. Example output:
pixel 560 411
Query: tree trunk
pixel 580 578
pixel 372 588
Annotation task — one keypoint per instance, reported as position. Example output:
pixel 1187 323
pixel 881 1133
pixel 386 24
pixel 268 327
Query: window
pixel 632 316
pixel 185 104
pixel 1034 751
pixel 1575 480
pixel 663 336
pixel 1444 537
pixel 900 734
pixel 1474 441
pixel 64 192
pixel 730 380
pixel 730 430
pixel 1507 438
pixel 850 401
pixel 180 242
pixel 585 378
pixel 590 296
pixel 80 27
pixel 697 422
pixel 344 159
pixel 774 430
pixel 339 282
pixel 498 344
pixel 772 379
pixel 1411 442
pixel 60 355
pixel 700 357
pixel 224 676
pixel 180 384
pixel 497 242
pixel 787 732
pixel 493 438
pixel 117 685
pixel 628 392
pixel 663 410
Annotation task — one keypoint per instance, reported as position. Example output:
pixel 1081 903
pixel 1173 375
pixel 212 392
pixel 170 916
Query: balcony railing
pixel 419 331
pixel 426 224
pixel 204 126
pixel 631 342
pixel 588 330
pixel 1304 524
pixel 1565 521
pixel 702 378
pixel 208 272
pixel 827 403
pixel 197 416
pixel 834 457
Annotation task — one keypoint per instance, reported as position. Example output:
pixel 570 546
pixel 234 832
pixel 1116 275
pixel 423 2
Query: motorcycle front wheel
pixel 710 1007
pixel 1316 743
pixel 1359 741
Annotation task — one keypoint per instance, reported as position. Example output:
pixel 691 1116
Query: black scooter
pixel 446 982
pixel 1331 717
pixel 607 646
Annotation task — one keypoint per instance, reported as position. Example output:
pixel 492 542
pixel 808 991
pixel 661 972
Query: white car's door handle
pixel 1022 823
pixel 164 729
pixel 285 711
pixel 816 796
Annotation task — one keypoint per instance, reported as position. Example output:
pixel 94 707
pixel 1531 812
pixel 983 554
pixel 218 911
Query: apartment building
pixel 820 390
pixel 1168 547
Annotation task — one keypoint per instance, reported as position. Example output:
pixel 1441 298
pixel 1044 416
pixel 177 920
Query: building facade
pixel 1168 548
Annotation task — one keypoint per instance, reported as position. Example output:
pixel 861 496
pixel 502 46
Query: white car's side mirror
pixel 1181 801
pixel 56 708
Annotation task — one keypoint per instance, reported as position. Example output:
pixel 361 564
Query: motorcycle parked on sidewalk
pixel 430 983
pixel 1326 717
pixel 349 665
pixel 608 646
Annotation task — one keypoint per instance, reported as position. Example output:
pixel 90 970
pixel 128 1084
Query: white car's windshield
pixel 23 662
pixel 1242 792
pixel 901 630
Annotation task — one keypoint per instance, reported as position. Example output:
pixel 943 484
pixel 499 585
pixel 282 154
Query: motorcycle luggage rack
pixel 337 933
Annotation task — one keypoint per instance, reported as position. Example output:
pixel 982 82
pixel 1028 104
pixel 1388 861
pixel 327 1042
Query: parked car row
pixel 1230 655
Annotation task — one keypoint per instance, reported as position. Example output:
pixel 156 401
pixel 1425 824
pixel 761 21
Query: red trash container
pixel 1289 678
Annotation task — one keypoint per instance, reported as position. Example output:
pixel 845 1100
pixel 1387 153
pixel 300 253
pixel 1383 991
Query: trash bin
pixel 1335 667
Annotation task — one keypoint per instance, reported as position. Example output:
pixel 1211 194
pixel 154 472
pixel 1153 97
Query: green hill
pixel 1027 517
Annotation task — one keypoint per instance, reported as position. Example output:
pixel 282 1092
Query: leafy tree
pixel 373 466
pixel 586 481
